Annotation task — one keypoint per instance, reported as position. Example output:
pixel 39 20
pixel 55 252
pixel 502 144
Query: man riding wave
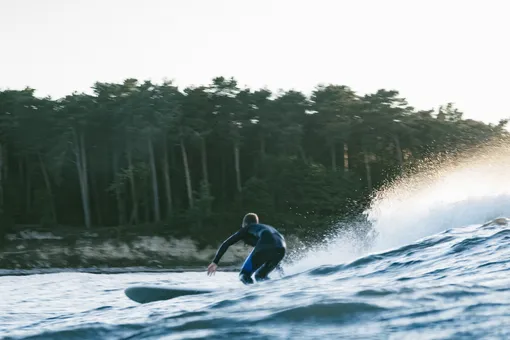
pixel 269 249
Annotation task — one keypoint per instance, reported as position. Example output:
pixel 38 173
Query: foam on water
pixel 471 188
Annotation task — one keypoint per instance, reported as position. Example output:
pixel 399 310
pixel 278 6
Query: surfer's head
pixel 249 218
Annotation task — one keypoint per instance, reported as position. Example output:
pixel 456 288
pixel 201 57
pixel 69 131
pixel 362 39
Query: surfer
pixel 269 249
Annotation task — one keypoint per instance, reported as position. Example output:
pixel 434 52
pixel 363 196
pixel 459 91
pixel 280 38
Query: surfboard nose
pixel 146 294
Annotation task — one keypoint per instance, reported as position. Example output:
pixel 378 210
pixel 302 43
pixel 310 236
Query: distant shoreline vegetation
pixel 193 161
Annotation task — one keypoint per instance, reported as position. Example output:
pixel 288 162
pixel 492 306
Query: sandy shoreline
pixel 29 251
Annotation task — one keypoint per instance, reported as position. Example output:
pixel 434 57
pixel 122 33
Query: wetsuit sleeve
pixel 233 239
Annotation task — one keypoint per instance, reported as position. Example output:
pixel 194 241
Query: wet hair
pixel 250 218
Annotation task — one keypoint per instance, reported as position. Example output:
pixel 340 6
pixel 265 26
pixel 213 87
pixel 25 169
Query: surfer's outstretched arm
pixel 233 239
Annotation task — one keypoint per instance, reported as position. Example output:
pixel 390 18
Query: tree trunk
pixel 398 150
pixel 85 181
pixel 48 187
pixel 28 187
pixel 302 154
pixel 262 146
pixel 5 162
pixel 224 189
pixel 134 196
pixel 168 187
pixel 333 157
pixel 1 180
pixel 147 200
pixel 21 176
pixel 81 164
pixel 108 152
pixel 154 175
pixel 121 209
pixel 205 173
pixel 187 173
pixel 346 157
pixel 238 169
pixel 367 167
pixel 96 197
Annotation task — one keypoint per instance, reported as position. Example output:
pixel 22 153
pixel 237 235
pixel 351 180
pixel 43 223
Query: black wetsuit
pixel 269 249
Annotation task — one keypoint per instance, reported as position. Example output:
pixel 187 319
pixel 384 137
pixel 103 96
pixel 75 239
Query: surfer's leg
pixel 253 262
pixel 247 270
pixel 275 256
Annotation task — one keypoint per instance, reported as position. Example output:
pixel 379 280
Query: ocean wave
pixel 451 284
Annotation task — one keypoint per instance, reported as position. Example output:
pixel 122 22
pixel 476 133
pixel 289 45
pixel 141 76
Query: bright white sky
pixel 432 52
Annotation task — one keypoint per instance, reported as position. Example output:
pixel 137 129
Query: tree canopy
pixel 195 160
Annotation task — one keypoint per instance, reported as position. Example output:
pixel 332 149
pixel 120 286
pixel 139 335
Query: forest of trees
pixel 195 160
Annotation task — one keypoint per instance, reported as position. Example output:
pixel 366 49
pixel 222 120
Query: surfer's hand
pixel 211 269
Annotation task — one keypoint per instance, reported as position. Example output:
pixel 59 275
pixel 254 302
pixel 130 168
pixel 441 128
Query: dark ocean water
pixel 454 284
pixel 437 267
